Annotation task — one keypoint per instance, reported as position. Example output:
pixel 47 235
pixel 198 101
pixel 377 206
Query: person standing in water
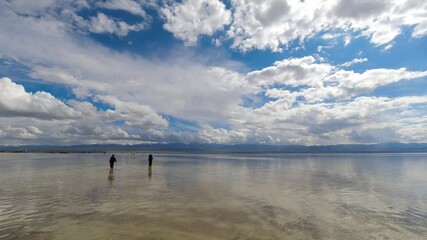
pixel 150 160
pixel 112 161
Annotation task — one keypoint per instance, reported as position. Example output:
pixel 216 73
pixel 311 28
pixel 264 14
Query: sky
pixel 310 72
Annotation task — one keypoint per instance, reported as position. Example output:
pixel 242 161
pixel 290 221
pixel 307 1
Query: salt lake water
pixel 208 196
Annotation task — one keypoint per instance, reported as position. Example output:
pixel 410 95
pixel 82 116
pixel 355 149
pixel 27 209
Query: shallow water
pixel 323 196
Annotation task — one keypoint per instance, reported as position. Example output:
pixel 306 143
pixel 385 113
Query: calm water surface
pixel 324 196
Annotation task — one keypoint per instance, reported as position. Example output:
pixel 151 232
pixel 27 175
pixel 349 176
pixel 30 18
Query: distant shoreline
pixel 208 152
pixel 201 148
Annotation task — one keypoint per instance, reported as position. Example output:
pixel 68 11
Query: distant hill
pixel 219 148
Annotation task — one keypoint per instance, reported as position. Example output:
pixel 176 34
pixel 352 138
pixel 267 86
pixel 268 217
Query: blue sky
pixel 238 71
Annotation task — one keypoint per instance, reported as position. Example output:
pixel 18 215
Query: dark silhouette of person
pixel 112 161
pixel 150 160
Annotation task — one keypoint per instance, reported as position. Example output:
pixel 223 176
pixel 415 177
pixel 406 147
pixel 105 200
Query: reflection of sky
pixel 320 196
pixel 364 173
pixel 379 185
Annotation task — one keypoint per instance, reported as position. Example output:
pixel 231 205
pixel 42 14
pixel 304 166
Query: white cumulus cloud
pixel 273 24
pixel 101 23
pixel 15 101
pixel 192 18
pixel 354 61
pixel 133 7
pixel 40 115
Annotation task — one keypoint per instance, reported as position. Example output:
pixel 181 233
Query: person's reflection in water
pixel 150 173
pixel 111 175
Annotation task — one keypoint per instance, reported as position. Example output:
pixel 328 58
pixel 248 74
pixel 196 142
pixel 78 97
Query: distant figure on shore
pixel 150 160
pixel 112 161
